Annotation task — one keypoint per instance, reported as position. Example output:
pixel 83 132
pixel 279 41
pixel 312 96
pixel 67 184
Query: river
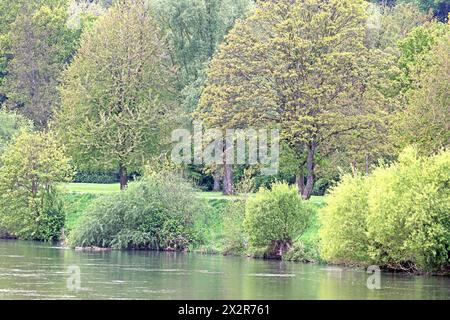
pixel 31 270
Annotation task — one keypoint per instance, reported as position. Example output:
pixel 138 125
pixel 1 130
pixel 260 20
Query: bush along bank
pixel 274 223
pixel 156 213
pixel 30 205
pixel 163 212
pixel 398 218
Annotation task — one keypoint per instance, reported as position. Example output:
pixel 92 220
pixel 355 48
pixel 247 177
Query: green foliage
pixel 194 30
pixel 75 204
pixel 11 124
pixel 306 248
pixel 343 220
pixel 82 14
pixel 117 94
pixel 40 44
pixel 273 218
pixel 440 8
pixel 29 205
pixel 424 119
pixel 209 225
pixel 52 220
pixel 155 213
pixel 398 217
pixel 235 241
pixel 415 47
pixel 297 66
pixel 306 251
pixel 9 11
pixel 409 220
pixel 391 24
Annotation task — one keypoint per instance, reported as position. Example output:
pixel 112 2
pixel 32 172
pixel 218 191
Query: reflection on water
pixel 31 270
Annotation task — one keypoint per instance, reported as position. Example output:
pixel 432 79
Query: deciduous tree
pixel 425 118
pixel 116 95
pixel 30 168
pixel 11 124
pixel 40 45
pixel 301 66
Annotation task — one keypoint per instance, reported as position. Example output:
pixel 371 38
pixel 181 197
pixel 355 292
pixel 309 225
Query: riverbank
pixel 305 248
pixel 77 197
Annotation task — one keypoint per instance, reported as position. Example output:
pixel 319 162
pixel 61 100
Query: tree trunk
pixel 310 167
pixel 217 178
pixel 300 181
pixel 123 177
pixel 228 180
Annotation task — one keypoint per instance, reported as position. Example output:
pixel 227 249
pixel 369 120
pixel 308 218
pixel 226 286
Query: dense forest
pixel 90 92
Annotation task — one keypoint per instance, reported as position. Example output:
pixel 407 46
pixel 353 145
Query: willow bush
pixel 156 213
pixel 343 233
pixel 274 218
pixel 399 217
pixel 409 218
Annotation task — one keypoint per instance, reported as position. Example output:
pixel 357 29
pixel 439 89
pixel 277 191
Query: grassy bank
pixel 78 196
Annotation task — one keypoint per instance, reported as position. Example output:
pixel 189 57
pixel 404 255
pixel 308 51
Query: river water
pixel 30 270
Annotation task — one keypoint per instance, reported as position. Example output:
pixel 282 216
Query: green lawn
pixel 91 188
pixel 96 188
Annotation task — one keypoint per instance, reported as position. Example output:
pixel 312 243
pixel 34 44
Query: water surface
pixel 30 270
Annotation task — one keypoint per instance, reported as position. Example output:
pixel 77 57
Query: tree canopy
pixel 117 94
pixel 31 167
pixel 302 67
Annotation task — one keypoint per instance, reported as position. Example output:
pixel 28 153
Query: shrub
pixel 29 204
pixel 273 218
pixel 306 251
pixel 306 248
pixel 321 186
pixel 51 222
pixel 156 213
pixel 343 222
pixel 409 217
pixel 398 218
pixel 234 235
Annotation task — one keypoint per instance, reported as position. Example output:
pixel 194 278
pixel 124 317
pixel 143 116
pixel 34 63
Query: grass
pixel 97 188
pixel 75 205
pixel 91 188
pixel 78 197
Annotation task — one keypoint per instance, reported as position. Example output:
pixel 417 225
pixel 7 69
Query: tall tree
pixel 412 49
pixel 41 44
pixel 297 65
pixel 12 124
pixel 9 11
pixel 116 95
pixel 194 29
pixel 425 118
pixel 390 24
pixel 31 167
